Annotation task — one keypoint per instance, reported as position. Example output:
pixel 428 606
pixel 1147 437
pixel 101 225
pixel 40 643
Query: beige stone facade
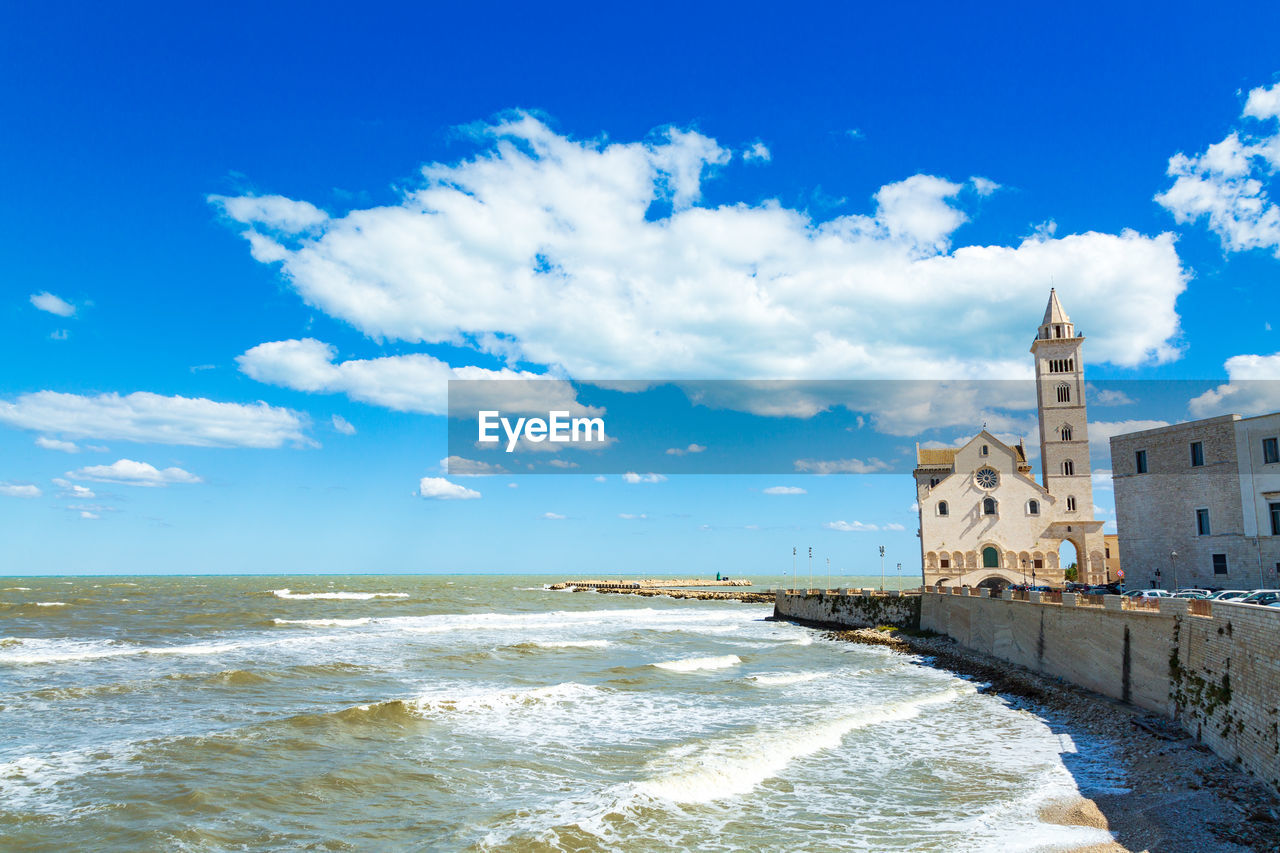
pixel 984 520
pixel 1203 517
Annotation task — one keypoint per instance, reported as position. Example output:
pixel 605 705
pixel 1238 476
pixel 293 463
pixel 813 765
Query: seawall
pixel 848 608
pixel 1216 671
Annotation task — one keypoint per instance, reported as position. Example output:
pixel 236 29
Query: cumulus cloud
pixel 1230 183
pixel 46 301
pixel 460 466
pixel 343 426
pixel 841 466
pixel 130 473
pixel 681 451
pixel 785 490
pixel 633 477
pixel 757 153
pixel 84 513
pixel 155 419
pixel 20 490
pixel 438 488
pixel 1252 388
pixel 850 526
pixel 597 259
pixel 55 444
pixel 73 490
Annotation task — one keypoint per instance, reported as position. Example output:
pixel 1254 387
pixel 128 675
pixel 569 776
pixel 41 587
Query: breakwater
pixel 645 583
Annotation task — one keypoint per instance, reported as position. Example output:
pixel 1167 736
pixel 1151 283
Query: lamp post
pixel 1024 571
pixel 1173 565
pixel 899 575
pixel 793 567
pixel 882 568
pixel 810 567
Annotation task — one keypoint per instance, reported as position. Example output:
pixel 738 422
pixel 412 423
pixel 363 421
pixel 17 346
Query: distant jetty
pixel 646 583
pixel 691 588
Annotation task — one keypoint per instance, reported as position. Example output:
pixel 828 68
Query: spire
pixel 1056 323
pixel 1053 312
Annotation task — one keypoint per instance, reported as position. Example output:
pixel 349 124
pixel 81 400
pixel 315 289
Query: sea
pixel 489 713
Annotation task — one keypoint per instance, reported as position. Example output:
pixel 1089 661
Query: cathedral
pixel 984 520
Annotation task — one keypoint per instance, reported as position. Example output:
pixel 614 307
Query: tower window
pixel 933 481
pixel 1068 468
pixel 1197 454
pixel 1066 433
pixel 1071 503
pixel 1270 451
pixel 942 508
pixel 1140 461
pixel 989 506
pixel 1033 507
pixel 1064 393
pixel 1202 522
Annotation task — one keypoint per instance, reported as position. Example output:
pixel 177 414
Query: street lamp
pixel 882 568
pixel 1173 563
pixel 1024 571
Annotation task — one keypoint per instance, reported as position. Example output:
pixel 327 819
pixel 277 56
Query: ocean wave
pixel 499 699
pixel 787 678
pixel 50 604
pixel 17 589
pixel 335 596
pixel 696 664
pixel 560 644
pixel 734 767
pixel 324 623
pixel 37 651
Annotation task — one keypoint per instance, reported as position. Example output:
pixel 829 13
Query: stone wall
pixel 849 608
pixel 1217 675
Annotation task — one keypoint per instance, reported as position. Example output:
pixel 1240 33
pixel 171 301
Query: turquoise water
pixel 488 713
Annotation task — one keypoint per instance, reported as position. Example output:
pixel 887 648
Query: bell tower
pixel 1064 428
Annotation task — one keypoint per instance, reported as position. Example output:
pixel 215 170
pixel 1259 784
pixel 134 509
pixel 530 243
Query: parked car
pixel 1274 604
pixel 1229 595
pixel 1148 593
pixel 1262 596
pixel 1191 593
pixel 1102 590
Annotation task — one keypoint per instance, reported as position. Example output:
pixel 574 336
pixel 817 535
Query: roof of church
pixel 1053 312
pixel 936 456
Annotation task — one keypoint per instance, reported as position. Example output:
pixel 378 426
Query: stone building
pixel 1198 503
pixel 1111 556
pixel 984 520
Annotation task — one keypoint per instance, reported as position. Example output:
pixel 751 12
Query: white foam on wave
pixel 336 596
pixel 19 650
pixel 473 701
pixel 695 620
pixel 17 589
pixel 786 678
pixel 734 767
pixel 51 604
pixel 696 664
pixel 324 623
pixel 571 644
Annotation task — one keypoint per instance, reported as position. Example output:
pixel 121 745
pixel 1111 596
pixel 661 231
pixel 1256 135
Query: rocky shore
pixel 1182 798
pixel 696 594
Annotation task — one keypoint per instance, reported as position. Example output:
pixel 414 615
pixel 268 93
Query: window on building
pixel 1068 468
pixel 1197 454
pixel 1038 563
pixel 1066 433
pixel 1219 564
pixel 1108 550
pixel 1275 519
pixel 1140 461
pixel 944 563
pixel 1270 450
pixel 1064 393
pixel 943 509
pixel 1071 503
pixel 1033 507
pixel 1202 522
pixel 989 506
pixel 933 481
pixel 985 450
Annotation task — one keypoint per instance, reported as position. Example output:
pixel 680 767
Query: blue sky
pixel 218 235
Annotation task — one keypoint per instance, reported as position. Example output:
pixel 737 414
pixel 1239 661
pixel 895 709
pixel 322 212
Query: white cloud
pixel 84 513
pixel 56 444
pixel 404 383
pixel 785 490
pixel 893 525
pixel 681 451
pixel 343 426
pixel 274 212
pixel 983 186
pixel 46 301
pixel 850 526
pixel 1229 184
pixel 758 152
pixel 600 478
pixel 460 466
pixel 130 473
pixel 73 490
pixel 563 253
pixel 554 516
pixel 20 490
pixel 1102 479
pixel 1101 432
pixel 629 516
pixel 841 466
pixel 562 463
pixel 1251 388
pixel 633 477
pixel 155 419
pixel 441 489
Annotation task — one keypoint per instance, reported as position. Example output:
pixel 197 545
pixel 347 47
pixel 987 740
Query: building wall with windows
pixel 1191 499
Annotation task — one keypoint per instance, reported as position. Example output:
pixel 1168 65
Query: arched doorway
pixel 1073 566
pixel 995 583
pixel 990 557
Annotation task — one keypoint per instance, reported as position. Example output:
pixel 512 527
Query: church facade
pixel 984 520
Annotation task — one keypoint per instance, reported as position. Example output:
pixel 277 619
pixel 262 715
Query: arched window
pixel 1068 468
pixel 1064 393
pixel 985 450
pixel 933 481
pixel 1066 433
pixel 943 509
pixel 988 506
pixel 1033 507
pixel 1071 503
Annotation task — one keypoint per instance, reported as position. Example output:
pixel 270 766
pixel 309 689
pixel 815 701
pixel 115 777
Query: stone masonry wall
pixel 1218 675
pixel 854 609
